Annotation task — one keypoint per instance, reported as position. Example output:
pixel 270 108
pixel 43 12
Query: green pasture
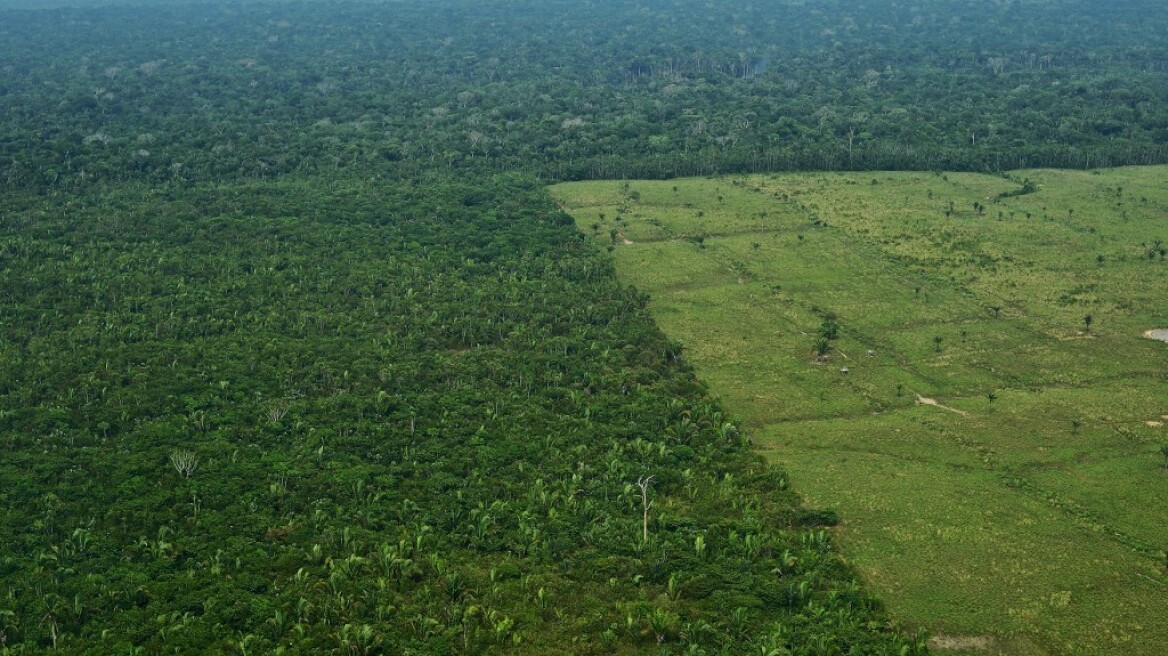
pixel 987 417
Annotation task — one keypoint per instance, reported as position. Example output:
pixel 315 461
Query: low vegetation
pixel 915 348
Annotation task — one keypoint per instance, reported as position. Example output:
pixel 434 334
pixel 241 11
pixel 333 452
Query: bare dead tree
pixel 54 628
pixel 643 483
pixel 184 462
pixel 277 411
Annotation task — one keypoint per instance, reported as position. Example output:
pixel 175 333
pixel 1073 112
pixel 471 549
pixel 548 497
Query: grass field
pixel 995 454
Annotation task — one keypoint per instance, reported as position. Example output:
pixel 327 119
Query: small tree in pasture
pixel 822 346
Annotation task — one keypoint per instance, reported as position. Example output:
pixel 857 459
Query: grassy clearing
pixel 1025 508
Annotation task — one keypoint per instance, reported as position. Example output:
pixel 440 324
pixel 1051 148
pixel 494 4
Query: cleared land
pixel 994 445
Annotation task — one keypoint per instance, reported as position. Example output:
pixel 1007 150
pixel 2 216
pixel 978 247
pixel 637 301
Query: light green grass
pixel 1037 518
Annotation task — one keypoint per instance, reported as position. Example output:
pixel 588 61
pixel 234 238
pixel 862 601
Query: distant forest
pixel 574 90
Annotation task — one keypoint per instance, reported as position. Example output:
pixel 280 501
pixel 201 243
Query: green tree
pixel 822 346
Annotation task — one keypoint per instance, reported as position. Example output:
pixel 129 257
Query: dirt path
pixel 922 400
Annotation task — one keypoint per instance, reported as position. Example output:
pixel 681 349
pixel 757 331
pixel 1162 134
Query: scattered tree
pixel 822 346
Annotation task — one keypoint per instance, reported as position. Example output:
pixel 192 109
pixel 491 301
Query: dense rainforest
pixel 571 89
pixel 298 356
pixel 325 416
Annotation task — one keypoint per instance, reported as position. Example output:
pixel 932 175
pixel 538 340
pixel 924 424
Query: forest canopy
pixel 578 90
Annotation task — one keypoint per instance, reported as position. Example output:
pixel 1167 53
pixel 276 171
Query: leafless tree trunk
pixel 643 484
pixel 184 462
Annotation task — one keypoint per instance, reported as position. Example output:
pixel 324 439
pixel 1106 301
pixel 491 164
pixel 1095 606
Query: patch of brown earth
pixel 967 643
pixel 1157 333
pixel 922 400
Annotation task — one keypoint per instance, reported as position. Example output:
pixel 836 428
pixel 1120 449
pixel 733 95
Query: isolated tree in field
pixel 1087 321
pixel 1164 452
pixel 937 339
pixel 822 345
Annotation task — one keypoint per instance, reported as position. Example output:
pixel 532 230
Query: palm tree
pixel 821 347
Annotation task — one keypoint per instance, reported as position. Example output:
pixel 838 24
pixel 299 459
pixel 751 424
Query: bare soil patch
pixel 968 643
pixel 1157 333
pixel 923 400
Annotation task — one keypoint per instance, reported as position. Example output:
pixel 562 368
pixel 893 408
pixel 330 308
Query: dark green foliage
pixel 829 330
pixel 811 517
pixel 577 90
pixel 416 423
